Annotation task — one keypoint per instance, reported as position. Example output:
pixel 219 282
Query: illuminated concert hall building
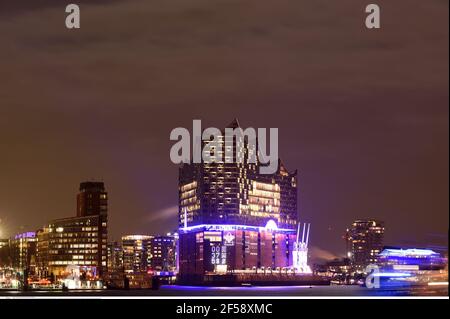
pixel 232 218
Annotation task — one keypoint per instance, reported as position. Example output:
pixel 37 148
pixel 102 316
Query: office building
pixel 163 253
pixel 23 252
pixel 136 253
pixel 115 257
pixel 77 242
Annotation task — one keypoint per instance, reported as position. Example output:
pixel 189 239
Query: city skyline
pixel 316 256
pixel 368 142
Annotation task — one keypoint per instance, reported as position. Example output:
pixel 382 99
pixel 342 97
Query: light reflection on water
pixel 256 291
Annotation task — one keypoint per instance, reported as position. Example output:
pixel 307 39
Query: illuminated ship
pixel 411 259
pixel 412 267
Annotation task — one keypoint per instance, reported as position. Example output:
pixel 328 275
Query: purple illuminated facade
pixel 25 235
pixel 234 248
pixel 234 219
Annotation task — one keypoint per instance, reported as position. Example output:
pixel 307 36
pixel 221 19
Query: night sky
pixel 362 114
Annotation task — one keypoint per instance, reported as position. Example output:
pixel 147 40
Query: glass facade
pixel 77 243
pixel 163 253
pixel 221 193
pixel 136 253
pixel 23 252
pixel 364 242
pixel 235 249
pixel 236 193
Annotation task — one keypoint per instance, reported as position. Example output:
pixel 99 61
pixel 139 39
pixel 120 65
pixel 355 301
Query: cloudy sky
pixel 362 114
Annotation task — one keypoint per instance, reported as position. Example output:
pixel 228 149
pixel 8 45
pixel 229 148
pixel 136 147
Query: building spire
pixel 234 124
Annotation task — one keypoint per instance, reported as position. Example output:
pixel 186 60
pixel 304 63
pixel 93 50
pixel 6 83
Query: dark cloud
pixel 362 114
pixel 14 8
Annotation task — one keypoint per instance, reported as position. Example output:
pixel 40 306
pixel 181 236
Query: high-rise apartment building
pixel 92 199
pixel 364 242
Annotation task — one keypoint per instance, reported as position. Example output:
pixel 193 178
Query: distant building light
pixel 136 237
pixel 25 235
